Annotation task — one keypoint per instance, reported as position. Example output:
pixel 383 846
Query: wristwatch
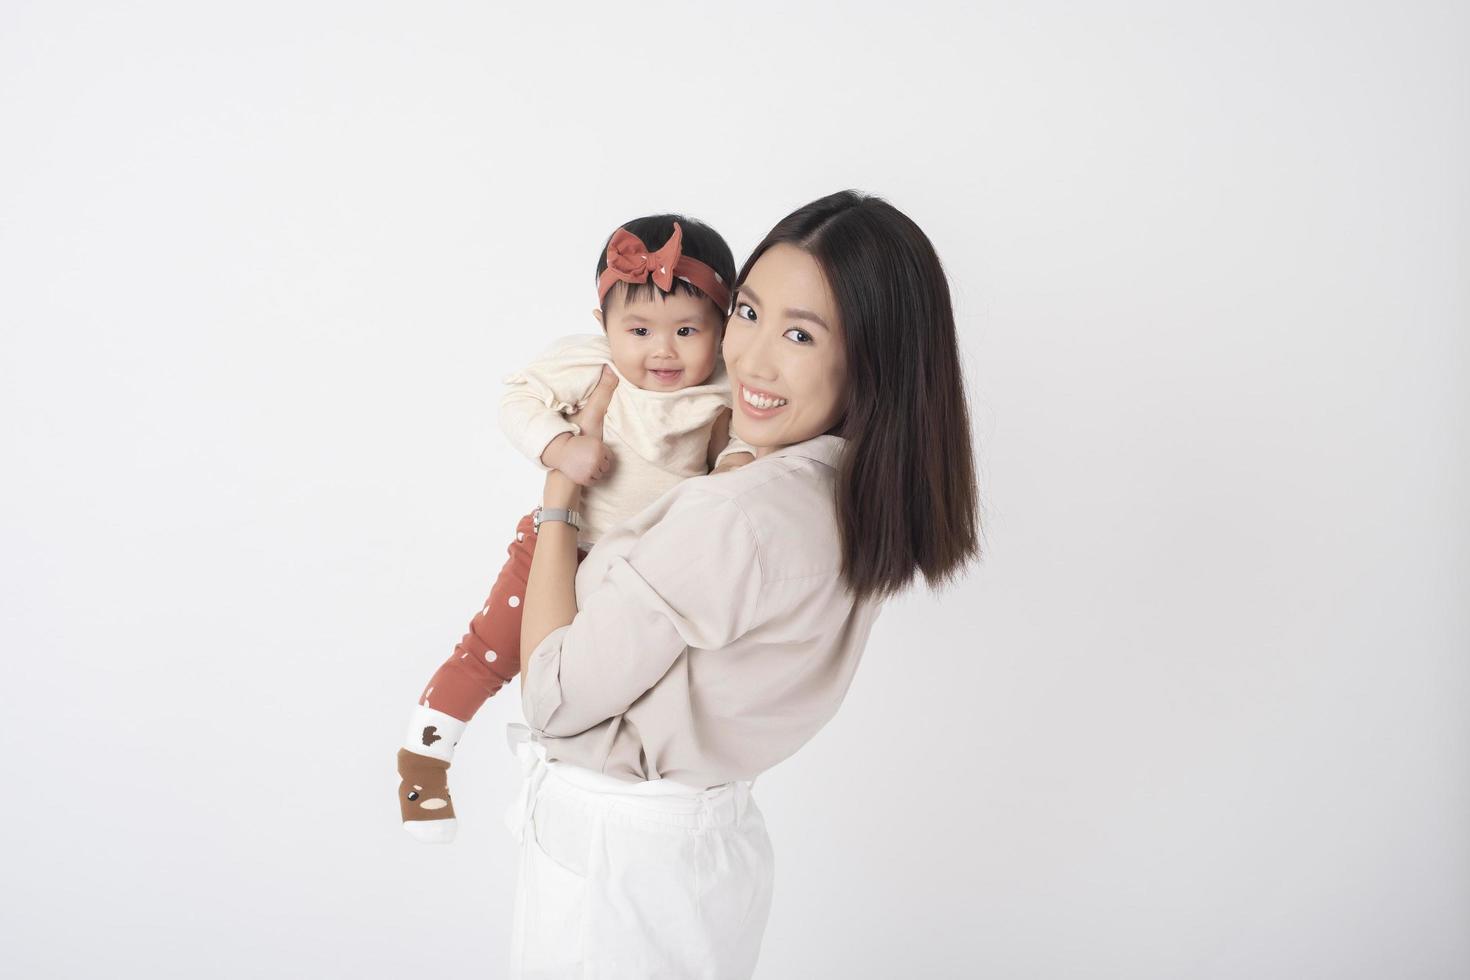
pixel 541 515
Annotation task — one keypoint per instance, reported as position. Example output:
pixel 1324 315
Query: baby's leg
pixel 483 661
pixel 489 655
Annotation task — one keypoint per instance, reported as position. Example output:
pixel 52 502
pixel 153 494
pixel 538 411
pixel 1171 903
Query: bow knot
pixel 630 260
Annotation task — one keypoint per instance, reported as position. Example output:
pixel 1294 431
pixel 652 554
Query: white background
pixel 1200 713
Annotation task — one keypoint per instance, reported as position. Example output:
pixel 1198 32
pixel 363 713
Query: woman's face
pixel 785 352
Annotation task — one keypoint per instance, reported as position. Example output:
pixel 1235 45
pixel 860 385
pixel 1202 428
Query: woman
pixel 712 635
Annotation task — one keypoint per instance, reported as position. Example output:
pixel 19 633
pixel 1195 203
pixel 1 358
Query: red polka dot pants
pixel 489 655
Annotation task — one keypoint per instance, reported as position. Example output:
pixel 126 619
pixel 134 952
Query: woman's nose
pixel 758 359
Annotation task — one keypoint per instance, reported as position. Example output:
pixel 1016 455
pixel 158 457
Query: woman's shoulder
pixel 806 468
pixel 786 500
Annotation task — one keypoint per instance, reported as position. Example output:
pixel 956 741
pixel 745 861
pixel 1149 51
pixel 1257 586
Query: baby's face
pixel 663 343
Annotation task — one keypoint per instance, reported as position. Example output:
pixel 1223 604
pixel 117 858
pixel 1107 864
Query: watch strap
pixel 544 514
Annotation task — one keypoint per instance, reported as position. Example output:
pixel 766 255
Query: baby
pixel 663 298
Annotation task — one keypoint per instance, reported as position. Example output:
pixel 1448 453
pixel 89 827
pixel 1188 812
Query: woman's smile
pixel 760 404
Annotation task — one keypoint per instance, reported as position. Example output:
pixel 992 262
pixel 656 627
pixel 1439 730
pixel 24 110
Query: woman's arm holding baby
pixel 692 579
pixel 551 596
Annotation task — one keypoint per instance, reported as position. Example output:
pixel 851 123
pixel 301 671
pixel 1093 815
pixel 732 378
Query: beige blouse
pixel 657 438
pixel 713 636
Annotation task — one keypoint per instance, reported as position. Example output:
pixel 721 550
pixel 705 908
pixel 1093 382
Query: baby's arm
pixel 726 450
pixel 582 458
pixel 537 400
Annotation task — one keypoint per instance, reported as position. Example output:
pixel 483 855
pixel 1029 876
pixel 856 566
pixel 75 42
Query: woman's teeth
pixel 761 401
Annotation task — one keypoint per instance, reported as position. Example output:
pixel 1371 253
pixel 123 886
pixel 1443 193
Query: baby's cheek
pixel 704 367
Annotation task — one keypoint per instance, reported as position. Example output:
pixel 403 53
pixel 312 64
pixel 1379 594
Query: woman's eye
pixel 687 331
pixel 640 331
pixel 802 337
pixel 745 311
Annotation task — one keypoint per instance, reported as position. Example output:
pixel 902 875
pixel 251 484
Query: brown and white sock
pixel 423 772
pixel 483 662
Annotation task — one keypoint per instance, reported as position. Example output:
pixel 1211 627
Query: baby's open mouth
pixel 672 374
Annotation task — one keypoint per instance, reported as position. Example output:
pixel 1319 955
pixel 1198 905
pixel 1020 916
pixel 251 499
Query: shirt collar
pixel 826 449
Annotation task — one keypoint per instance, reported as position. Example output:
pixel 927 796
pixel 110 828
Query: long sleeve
pixel 735 445
pixel 538 398
pixel 693 579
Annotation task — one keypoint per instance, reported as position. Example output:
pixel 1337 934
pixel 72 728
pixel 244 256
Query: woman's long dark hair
pixel 907 499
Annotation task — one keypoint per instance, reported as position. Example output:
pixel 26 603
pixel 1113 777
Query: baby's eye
pixel 688 331
pixel 745 311
pixel 640 331
pixel 802 337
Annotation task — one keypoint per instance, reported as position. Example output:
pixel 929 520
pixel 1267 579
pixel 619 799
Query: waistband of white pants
pixel 667 795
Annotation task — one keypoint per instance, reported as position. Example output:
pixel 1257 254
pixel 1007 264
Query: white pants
pixel 634 880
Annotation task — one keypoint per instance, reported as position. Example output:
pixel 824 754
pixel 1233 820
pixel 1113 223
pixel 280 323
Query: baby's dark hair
pixel 700 242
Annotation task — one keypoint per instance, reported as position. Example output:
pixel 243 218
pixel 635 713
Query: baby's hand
pixel 584 459
pixel 733 462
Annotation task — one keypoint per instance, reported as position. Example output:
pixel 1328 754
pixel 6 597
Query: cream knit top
pixel 657 438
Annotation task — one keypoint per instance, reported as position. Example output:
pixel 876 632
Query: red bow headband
pixel 629 260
